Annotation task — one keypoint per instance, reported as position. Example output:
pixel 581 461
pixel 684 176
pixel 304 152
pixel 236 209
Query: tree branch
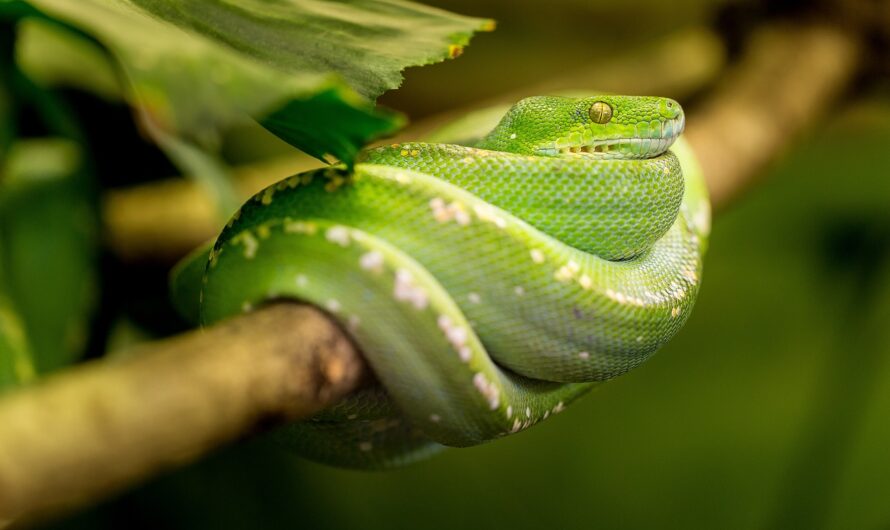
pixel 92 430
pixel 98 428
pixel 789 77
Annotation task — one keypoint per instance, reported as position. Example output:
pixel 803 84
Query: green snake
pixel 488 285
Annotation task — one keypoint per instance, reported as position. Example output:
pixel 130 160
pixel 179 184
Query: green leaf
pixel 48 252
pixel 366 42
pixel 194 68
pixel 16 364
pixel 344 131
pixel 55 56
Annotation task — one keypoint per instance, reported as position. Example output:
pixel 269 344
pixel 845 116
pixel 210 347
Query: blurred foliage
pixel 534 43
pixel 48 230
pixel 16 359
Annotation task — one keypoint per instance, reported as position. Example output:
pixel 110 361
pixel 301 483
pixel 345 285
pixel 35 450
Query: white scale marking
pixel 488 390
pixel 372 261
pixel 338 235
pixel 405 290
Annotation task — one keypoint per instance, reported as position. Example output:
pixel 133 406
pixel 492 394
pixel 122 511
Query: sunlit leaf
pixel 55 56
pixel 195 68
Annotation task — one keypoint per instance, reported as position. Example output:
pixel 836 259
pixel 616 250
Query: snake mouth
pixel 647 141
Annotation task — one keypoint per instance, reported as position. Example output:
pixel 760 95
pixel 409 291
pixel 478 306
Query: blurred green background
pixel 768 410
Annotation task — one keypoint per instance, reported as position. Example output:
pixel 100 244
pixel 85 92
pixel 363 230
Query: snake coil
pixel 487 285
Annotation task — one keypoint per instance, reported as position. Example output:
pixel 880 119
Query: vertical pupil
pixel 600 112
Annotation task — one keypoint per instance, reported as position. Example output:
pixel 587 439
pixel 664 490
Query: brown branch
pixel 85 433
pixel 96 429
pixel 164 220
pixel 790 76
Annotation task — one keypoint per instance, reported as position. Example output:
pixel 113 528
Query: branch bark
pixel 789 77
pixel 98 428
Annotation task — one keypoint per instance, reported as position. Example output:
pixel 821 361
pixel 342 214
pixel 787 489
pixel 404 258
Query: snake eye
pixel 600 112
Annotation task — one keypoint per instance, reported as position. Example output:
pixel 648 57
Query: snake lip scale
pixel 648 142
pixel 488 283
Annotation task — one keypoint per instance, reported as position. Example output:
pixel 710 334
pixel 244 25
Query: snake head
pixel 604 126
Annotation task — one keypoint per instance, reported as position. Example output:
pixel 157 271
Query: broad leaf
pixel 55 56
pixel 194 67
pixel 48 253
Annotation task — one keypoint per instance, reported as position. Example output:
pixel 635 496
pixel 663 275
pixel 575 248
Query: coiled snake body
pixel 488 286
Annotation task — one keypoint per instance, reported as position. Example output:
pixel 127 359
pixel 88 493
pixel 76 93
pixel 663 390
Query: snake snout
pixel 647 139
